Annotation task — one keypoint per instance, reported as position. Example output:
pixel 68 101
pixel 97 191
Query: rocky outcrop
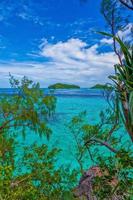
pixel 85 187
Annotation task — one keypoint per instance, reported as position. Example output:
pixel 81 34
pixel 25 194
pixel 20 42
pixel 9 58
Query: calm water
pixel 69 104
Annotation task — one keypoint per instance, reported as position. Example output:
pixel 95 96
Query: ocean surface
pixel 69 104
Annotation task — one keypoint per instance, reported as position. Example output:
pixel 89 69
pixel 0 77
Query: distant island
pixel 63 86
pixel 100 86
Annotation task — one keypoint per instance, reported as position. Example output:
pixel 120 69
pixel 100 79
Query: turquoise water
pixel 69 104
pixel 68 107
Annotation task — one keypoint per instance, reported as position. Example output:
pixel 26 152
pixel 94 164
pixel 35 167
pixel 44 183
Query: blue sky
pixel 54 41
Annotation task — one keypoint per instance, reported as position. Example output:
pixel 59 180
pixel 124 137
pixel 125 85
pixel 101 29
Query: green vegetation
pixel 100 86
pixel 123 80
pixel 92 141
pixel 63 86
pixel 33 175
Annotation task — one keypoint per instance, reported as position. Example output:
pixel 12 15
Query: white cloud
pixel 106 41
pixel 75 51
pixel 72 61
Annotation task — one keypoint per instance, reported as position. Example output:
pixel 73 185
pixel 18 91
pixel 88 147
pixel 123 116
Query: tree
pixel 123 80
pixel 50 102
pixel 113 14
pixel 114 166
pixel 80 152
pixel 111 11
pixel 109 176
pixel 24 109
pixel 29 172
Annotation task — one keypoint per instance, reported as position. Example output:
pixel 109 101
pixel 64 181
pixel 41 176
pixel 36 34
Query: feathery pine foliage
pixel 34 175
pixel 24 109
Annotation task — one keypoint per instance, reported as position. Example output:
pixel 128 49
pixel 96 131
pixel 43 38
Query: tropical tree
pixel 24 109
pixel 110 173
pixel 29 171
pixel 112 12
pixel 123 77
pixel 123 80
pixel 34 176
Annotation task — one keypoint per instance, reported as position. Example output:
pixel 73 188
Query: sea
pixel 70 103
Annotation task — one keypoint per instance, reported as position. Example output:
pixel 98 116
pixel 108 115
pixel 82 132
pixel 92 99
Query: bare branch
pixel 128 5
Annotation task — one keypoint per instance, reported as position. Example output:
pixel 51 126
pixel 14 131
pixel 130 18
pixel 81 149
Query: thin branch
pixel 90 154
pixel 127 5
pixel 5 124
pixel 114 34
pixel 8 122
pixel 19 125
pixel 103 143
pixel 112 130
pixel 18 182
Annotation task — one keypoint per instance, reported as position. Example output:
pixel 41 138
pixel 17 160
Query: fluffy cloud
pixel 106 41
pixel 72 61
pixel 83 64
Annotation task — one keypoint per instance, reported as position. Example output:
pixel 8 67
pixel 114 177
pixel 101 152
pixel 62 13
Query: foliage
pixel 123 84
pixel 37 177
pixel 116 167
pixel 117 176
pixel 35 174
pixel 112 11
pixel 116 19
pixel 79 150
pixel 30 172
pixel 26 108
pixel 50 102
pixel 123 80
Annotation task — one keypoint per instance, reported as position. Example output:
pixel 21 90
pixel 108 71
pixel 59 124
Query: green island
pixel 102 86
pixel 63 86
